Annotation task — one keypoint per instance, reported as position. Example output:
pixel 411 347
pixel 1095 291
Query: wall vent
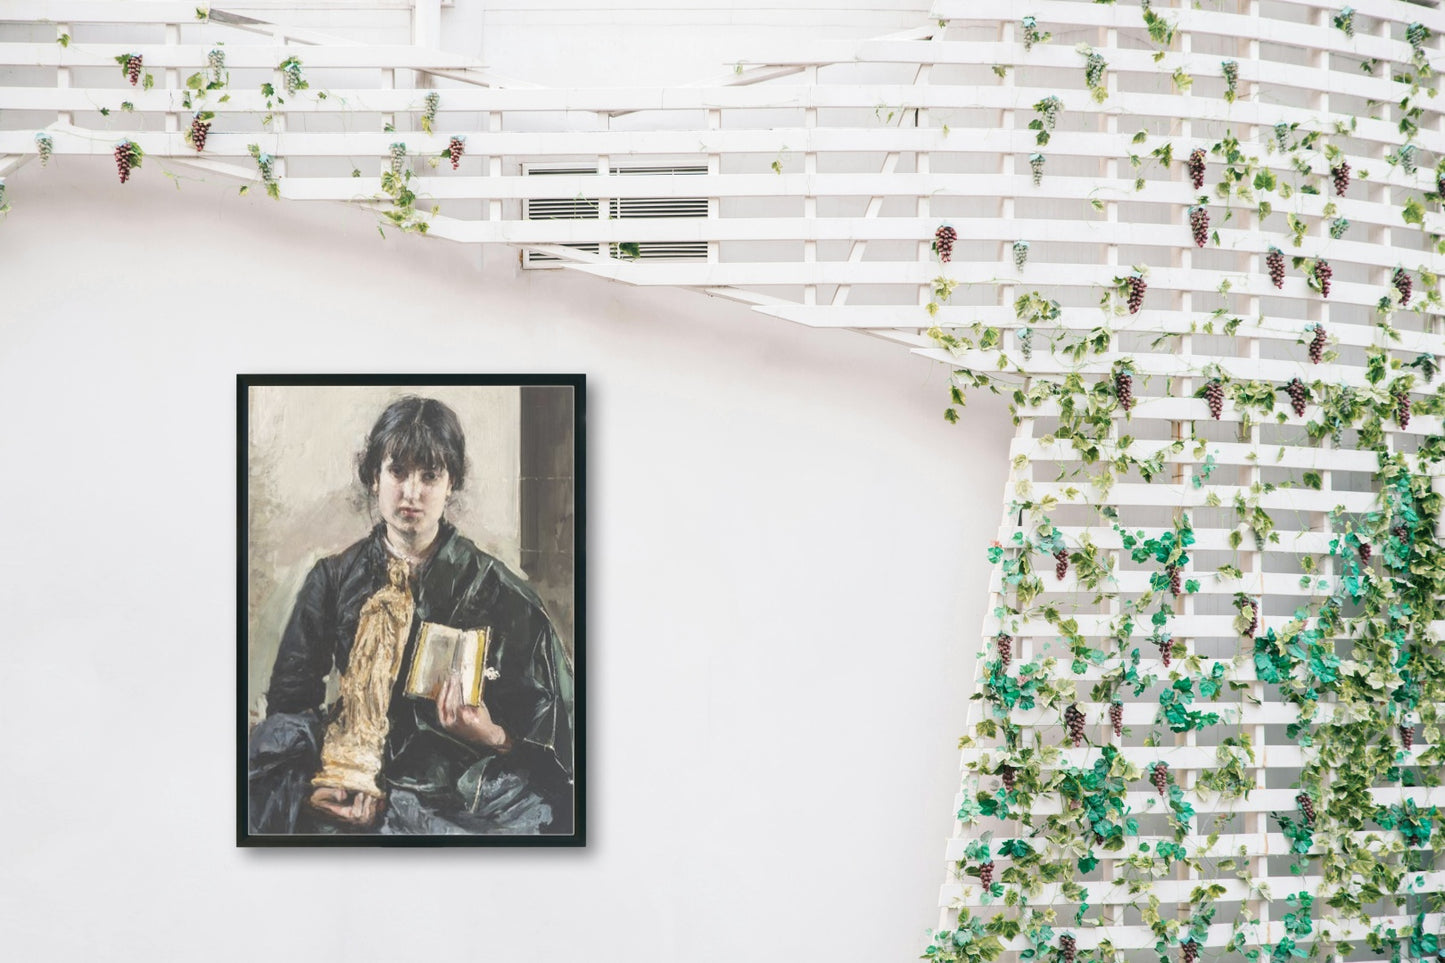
pixel 620 209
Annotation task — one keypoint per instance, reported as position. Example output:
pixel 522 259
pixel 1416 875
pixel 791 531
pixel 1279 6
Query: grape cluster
pixel 1074 719
pixel 1137 287
pixel 133 65
pixel 1067 948
pixel 398 157
pixel 1009 776
pixel 1159 776
pixel 1176 580
pixel 1365 553
pixel 1407 737
pixel 1323 273
pixel 1440 183
pixel 455 149
pixel 943 239
pixel 985 873
pixel 1061 564
pixel 1253 617
pixel 429 112
pixel 123 159
pixel 1124 388
pixel 1005 645
pixel 1400 533
pixel 44 146
pixel 1406 157
pixel 1188 951
pixel 1402 409
pixel 1231 76
pixel 1031 32
pixel 1214 394
pixel 1274 260
pixel 1196 167
pixel 1116 718
pixel 1094 70
pixel 199 130
pixel 1306 806
pixel 1021 254
pixel 1166 651
pixel 1415 35
pixel 1026 343
pixel 1036 164
pixel 216 60
pixel 1317 345
pixel 1340 174
pixel 1199 224
pixel 1298 395
pixel 291 76
pixel 1281 135
pixel 1403 284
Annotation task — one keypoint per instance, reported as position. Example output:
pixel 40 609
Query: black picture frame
pixel 543 407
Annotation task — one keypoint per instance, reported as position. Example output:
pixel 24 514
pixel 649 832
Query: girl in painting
pixel 487 754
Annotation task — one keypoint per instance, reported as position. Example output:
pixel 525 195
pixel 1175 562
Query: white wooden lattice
pixel 828 170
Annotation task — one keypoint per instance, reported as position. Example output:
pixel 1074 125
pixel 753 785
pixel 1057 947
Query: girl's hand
pixel 469 723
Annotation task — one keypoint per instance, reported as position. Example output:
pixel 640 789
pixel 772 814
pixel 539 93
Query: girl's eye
pixel 429 476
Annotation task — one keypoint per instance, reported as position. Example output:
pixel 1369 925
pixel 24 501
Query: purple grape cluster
pixel 1188 951
pixel 199 130
pixel 985 873
pixel 1274 260
pixel 123 159
pixel 1116 718
pixel 1061 564
pixel 1175 580
pixel 1323 273
pixel 1199 224
pixel 133 67
pixel 1074 719
pixel 1067 948
pixel 1402 408
pixel 1124 389
pixel 1317 345
pixel 1196 167
pixel 943 239
pixel 1253 617
pixel 1306 806
pixel 1137 287
pixel 1004 642
pixel 1403 284
pixel 1159 776
pixel 1009 776
pixel 1214 394
pixel 1299 395
pixel 454 151
pixel 1407 737
pixel 1365 553
pixel 1400 533
pixel 1340 174
pixel 1166 651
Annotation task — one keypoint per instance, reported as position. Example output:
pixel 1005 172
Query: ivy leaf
pixel 1413 212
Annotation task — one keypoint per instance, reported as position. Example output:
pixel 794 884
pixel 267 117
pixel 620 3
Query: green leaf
pixel 1413 212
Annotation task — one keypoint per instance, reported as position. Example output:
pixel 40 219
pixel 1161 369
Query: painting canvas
pixel 411 610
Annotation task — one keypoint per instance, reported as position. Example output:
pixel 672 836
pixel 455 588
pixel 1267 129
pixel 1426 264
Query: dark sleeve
pixel 548 731
pixel 298 679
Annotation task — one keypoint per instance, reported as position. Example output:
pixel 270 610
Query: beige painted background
pixel 305 501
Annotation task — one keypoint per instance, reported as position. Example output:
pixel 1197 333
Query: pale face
pixel 411 502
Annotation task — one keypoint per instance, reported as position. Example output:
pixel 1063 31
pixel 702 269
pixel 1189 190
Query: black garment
pixel 441 784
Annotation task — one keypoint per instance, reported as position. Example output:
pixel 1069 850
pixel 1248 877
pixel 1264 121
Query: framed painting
pixel 411 610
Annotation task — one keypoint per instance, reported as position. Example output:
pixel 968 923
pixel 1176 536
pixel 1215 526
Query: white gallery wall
pixel 785 583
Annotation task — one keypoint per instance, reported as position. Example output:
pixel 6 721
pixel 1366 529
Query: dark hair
pixel 415 433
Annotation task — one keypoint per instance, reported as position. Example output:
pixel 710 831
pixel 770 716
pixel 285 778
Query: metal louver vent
pixel 619 209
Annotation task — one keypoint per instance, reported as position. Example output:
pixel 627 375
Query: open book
pixel 441 651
